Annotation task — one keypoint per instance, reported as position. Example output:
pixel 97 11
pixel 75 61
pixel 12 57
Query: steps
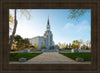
pixel 50 50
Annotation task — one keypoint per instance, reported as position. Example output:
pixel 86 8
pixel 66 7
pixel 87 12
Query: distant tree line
pixel 20 43
pixel 79 44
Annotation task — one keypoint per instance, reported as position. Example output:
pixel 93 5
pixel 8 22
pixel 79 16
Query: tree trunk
pixel 14 31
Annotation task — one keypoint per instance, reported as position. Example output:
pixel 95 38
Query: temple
pixel 44 41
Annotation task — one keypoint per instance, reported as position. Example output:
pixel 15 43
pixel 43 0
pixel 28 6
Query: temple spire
pixel 48 20
pixel 48 25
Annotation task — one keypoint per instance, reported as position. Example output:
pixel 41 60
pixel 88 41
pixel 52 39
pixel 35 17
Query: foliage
pixel 11 21
pixel 84 47
pixel 20 42
pixel 31 47
pixel 26 13
pixel 16 56
pixel 13 32
pixel 68 48
pixel 17 38
pixel 88 44
pixel 79 44
pixel 36 46
pixel 85 56
pixel 62 45
pixel 76 44
pixel 15 25
pixel 43 47
pixel 76 13
pixel 26 43
pixel 13 48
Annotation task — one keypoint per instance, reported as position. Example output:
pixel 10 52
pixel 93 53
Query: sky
pixel 64 30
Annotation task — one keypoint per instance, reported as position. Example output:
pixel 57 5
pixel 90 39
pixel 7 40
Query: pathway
pixel 50 58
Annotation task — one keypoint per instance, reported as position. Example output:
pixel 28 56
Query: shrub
pixel 43 47
pixel 68 48
pixel 13 54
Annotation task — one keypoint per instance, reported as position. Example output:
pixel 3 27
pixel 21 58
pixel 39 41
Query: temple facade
pixel 44 41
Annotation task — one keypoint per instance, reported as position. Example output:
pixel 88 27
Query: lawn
pixel 16 56
pixel 85 56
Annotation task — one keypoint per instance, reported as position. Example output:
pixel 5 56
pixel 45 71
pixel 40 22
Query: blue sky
pixel 64 30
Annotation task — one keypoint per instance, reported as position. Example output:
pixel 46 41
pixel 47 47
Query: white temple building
pixel 45 40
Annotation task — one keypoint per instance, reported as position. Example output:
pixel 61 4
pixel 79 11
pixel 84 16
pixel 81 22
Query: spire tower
pixel 48 25
pixel 48 36
pixel 48 20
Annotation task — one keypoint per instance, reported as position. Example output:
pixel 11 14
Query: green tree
pixel 22 44
pixel 17 38
pixel 75 44
pixel 26 42
pixel 84 47
pixel 25 12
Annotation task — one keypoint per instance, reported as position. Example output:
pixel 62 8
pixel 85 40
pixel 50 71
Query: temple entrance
pixel 52 48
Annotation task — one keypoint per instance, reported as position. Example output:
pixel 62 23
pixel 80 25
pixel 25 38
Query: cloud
pixel 81 30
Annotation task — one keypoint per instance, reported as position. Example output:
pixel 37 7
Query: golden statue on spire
pixel 48 16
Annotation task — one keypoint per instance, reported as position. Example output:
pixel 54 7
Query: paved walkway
pixel 50 58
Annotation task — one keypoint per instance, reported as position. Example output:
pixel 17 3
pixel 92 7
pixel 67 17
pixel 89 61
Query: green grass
pixel 85 56
pixel 16 57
